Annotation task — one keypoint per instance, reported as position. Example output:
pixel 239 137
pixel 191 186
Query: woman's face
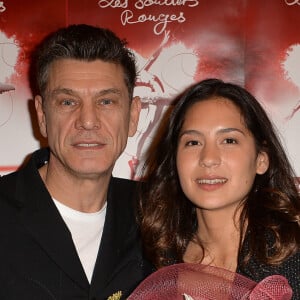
pixel 216 156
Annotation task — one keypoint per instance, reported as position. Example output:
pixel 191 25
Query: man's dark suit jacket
pixel 38 260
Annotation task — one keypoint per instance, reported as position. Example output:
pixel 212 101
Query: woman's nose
pixel 209 156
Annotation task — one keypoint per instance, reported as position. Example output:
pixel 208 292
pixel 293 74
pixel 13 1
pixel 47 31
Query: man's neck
pixel 79 193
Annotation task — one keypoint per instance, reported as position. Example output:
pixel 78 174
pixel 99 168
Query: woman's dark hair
pixel 168 219
pixel 86 43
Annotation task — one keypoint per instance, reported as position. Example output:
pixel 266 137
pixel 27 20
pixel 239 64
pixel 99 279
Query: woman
pixel 220 190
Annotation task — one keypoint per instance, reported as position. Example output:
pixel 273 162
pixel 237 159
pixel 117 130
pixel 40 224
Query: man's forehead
pixel 79 74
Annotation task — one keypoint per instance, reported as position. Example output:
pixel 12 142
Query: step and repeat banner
pixel 177 42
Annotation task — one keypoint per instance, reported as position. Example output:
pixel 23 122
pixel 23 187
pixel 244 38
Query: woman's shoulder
pixel 291 265
pixel 289 268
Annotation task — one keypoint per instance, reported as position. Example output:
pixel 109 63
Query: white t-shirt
pixel 86 230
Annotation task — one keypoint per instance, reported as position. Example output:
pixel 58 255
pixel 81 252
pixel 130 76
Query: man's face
pixel 86 116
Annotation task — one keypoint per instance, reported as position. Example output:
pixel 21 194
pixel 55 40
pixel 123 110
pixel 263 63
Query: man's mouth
pixel 87 145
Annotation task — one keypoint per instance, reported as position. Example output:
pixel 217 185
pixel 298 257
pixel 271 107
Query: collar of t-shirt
pixel 86 230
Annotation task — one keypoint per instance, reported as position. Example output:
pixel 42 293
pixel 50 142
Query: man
pixel 67 227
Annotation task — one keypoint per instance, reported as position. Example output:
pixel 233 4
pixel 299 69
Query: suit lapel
pixel 117 227
pixel 42 219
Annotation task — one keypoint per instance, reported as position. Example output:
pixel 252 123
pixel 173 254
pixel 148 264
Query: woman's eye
pixel 192 143
pixel 230 141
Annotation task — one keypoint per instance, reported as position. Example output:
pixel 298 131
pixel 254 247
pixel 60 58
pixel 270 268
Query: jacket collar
pixel 42 219
pixel 119 230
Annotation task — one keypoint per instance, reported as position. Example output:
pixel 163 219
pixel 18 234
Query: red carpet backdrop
pixel 177 42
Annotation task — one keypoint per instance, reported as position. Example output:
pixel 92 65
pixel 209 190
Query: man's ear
pixel 262 163
pixel 38 101
pixel 135 109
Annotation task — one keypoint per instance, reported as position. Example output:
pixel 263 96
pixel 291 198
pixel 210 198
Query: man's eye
pixel 230 141
pixel 68 102
pixel 106 101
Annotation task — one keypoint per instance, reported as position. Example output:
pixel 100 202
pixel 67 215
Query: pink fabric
pixel 200 282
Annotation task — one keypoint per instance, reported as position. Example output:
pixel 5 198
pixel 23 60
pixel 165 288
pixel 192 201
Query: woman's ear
pixel 262 163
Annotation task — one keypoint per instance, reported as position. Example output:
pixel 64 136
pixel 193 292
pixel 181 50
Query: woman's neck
pixel 219 236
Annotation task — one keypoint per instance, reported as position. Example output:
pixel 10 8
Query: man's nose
pixel 88 117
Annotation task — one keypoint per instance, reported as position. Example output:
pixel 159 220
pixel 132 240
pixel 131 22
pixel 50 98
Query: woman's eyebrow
pixel 231 129
pixel 219 131
pixel 191 132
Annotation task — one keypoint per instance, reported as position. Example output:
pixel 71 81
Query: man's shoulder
pixel 123 193
pixel 8 182
pixel 8 185
pixel 123 188
pixel 13 184
pixel 34 161
pixel 123 182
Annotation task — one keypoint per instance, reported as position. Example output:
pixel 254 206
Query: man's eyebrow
pixel 108 91
pixel 71 92
pixel 58 91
